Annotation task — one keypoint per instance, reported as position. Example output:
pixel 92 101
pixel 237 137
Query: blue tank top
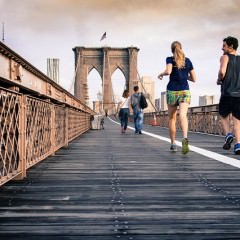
pixel 178 77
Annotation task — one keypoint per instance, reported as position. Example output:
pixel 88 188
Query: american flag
pixel 103 36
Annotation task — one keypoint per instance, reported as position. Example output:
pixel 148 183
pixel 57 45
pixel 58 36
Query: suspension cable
pixel 75 73
pixel 144 90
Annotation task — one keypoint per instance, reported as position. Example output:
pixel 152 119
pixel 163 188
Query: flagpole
pixel 104 37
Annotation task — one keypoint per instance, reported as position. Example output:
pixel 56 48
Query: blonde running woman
pixel 181 70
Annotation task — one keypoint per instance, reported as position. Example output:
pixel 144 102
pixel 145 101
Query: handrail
pixel 17 73
pixel 204 119
pixel 32 129
pixel 37 116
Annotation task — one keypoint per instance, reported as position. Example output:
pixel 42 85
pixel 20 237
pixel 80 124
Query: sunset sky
pixel 41 29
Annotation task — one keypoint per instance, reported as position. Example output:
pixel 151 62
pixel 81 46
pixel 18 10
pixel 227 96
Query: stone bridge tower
pixel 106 61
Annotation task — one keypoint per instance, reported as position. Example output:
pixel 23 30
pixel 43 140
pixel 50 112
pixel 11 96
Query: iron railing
pixel 204 119
pixel 32 129
pixel 37 116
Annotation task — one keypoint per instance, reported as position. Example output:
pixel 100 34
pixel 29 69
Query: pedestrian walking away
pixel 102 123
pixel 137 110
pixel 180 70
pixel 124 110
pixel 229 103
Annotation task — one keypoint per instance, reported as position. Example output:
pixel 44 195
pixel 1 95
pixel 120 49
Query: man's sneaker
pixel 173 148
pixel 140 132
pixel 228 141
pixel 237 148
pixel 185 147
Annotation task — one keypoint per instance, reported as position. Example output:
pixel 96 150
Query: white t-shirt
pixel 125 102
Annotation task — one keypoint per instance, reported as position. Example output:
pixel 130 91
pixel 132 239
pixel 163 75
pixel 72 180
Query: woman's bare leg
pixel 172 114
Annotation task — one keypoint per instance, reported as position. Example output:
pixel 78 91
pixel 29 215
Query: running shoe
pixel 185 147
pixel 173 148
pixel 228 141
pixel 237 148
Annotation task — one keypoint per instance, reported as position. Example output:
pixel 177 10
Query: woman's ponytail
pixel 178 54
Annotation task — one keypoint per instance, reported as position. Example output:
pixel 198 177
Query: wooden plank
pixel 106 185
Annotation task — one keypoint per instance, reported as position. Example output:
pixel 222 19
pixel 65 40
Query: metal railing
pixel 37 116
pixel 32 129
pixel 204 119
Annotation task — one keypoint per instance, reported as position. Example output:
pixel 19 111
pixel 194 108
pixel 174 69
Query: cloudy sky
pixel 41 29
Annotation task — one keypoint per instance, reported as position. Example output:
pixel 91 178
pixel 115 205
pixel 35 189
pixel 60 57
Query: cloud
pixel 51 28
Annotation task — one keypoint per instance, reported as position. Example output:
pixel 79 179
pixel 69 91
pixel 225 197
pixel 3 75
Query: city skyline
pixel 42 29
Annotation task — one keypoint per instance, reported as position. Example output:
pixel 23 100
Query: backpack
pixel 143 102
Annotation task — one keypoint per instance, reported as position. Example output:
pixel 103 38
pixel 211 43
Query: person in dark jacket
pixel 137 110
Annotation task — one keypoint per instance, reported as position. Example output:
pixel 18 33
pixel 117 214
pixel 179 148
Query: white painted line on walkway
pixel 218 157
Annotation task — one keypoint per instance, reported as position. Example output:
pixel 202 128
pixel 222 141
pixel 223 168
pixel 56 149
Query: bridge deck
pixel 108 186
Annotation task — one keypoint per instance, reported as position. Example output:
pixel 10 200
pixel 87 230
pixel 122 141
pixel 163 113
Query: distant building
pixel 206 100
pixel 164 101
pixel 147 86
pixel 157 104
pixel 53 69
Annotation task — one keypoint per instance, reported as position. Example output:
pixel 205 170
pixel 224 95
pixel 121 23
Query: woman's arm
pixel 192 76
pixel 167 71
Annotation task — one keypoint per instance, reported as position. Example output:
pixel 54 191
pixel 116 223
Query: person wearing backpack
pixel 137 110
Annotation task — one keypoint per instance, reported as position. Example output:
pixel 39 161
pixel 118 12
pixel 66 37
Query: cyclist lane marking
pixel 216 156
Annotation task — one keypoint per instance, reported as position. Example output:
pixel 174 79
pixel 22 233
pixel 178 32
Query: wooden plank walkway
pixel 106 186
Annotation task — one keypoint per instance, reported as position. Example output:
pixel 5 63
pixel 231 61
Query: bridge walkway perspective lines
pixel 106 185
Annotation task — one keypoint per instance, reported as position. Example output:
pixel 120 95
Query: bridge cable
pixel 75 73
pixel 139 79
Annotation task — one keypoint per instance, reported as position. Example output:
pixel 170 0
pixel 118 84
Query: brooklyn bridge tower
pixel 106 61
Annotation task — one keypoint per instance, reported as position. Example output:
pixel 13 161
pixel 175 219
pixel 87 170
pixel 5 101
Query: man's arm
pixel 222 69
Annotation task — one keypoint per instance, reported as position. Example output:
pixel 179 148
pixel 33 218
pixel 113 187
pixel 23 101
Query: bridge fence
pixel 204 119
pixel 37 116
pixel 32 129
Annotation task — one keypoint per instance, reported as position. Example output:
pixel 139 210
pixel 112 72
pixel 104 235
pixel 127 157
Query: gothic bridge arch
pixel 106 61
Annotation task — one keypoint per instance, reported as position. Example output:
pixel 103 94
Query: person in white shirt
pixel 124 110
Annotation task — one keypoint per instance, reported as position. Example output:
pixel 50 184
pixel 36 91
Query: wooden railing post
pixel 22 139
pixel 53 140
pixel 67 125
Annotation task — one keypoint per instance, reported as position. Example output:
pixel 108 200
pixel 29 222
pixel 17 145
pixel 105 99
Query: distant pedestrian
pixel 102 123
pixel 137 110
pixel 124 110
pixel 91 121
pixel 181 70
pixel 229 79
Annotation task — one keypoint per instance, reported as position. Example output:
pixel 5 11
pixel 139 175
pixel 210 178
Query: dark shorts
pixel 229 105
